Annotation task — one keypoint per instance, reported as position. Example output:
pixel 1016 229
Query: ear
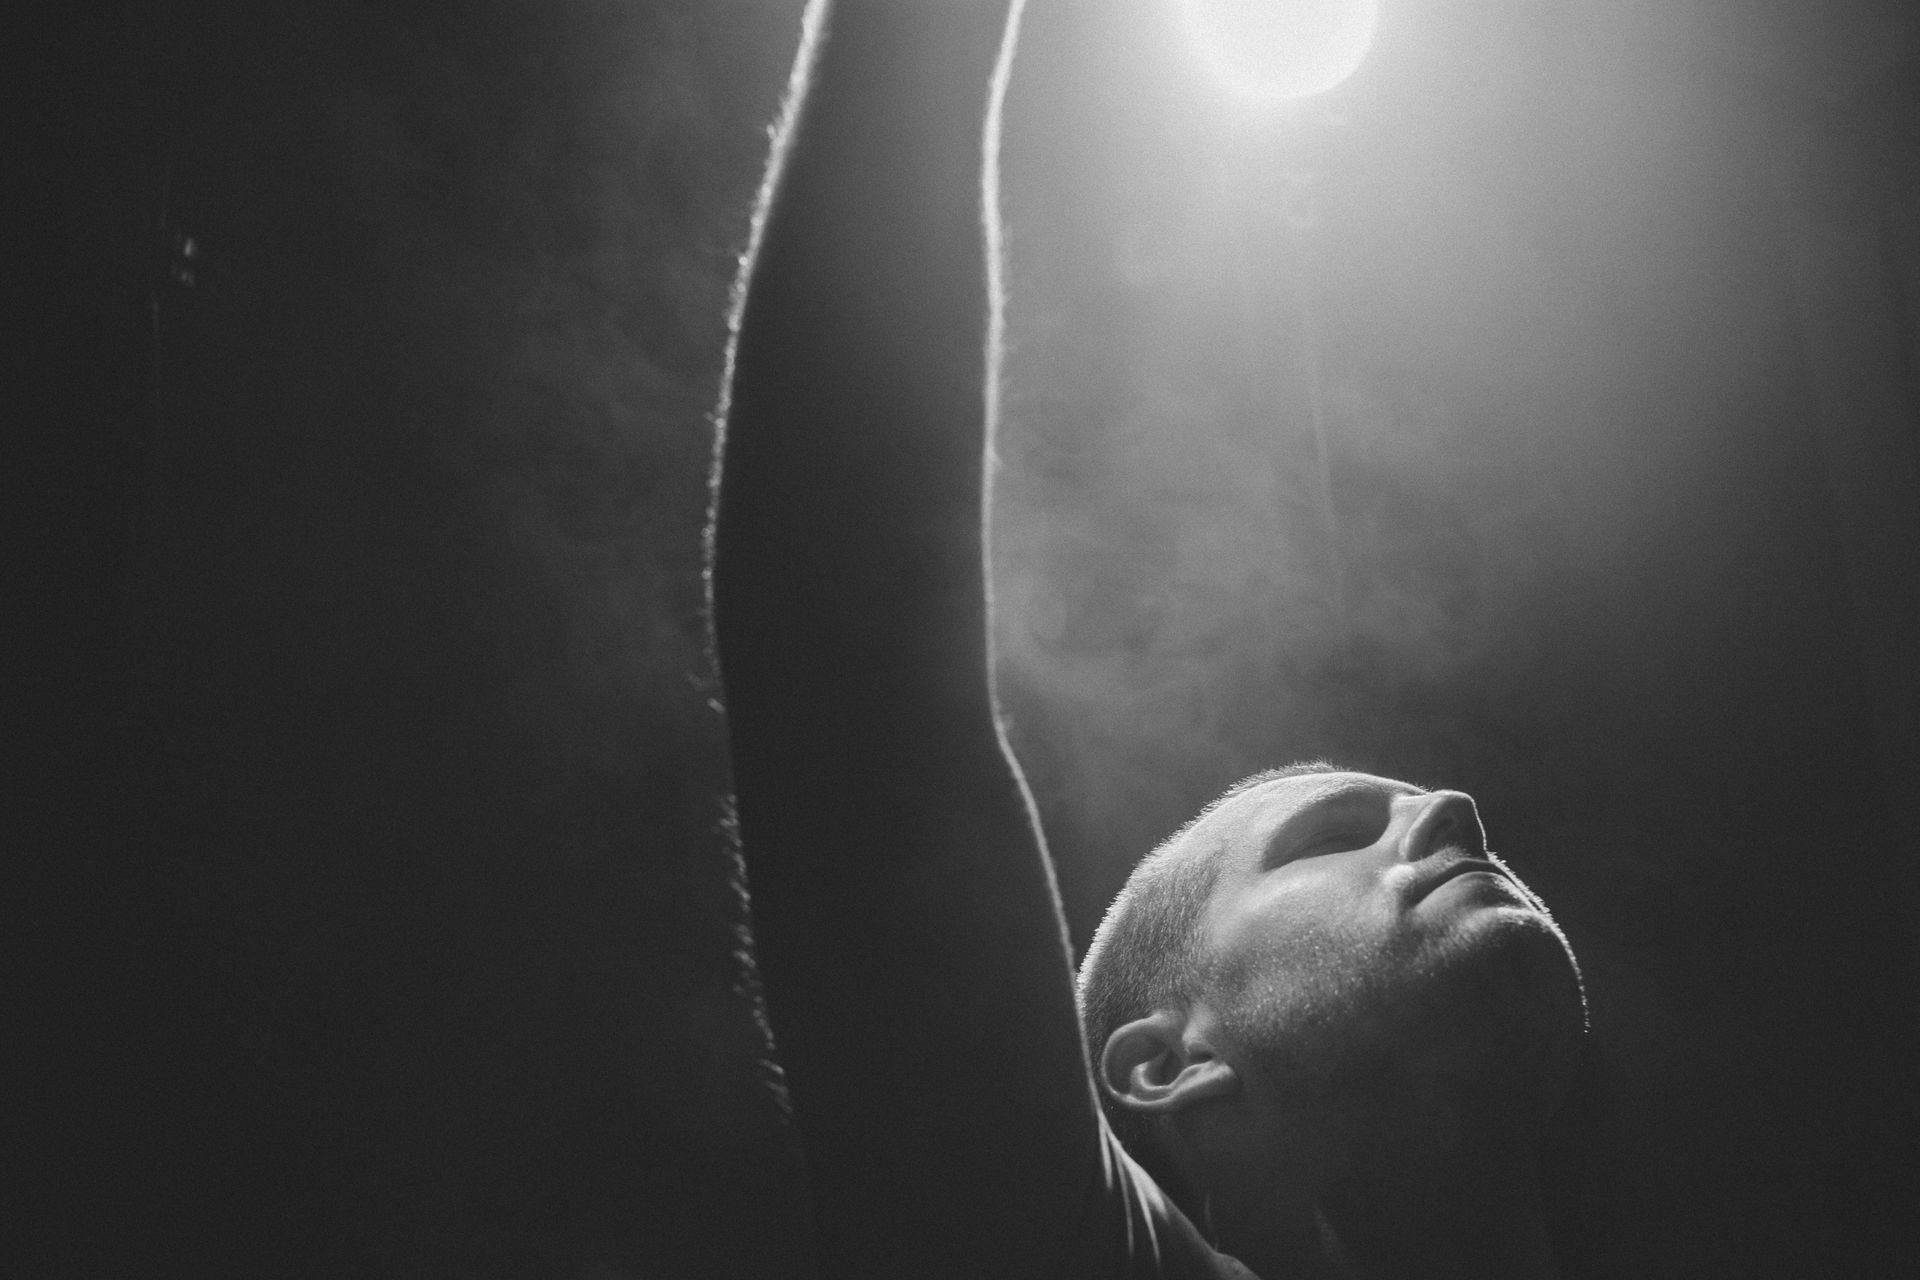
pixel 1159 1065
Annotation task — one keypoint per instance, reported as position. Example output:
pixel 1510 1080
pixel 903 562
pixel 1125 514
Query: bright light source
pixel 1280 50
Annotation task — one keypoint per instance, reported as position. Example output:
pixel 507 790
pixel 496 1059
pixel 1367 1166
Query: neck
pixel 1428 1179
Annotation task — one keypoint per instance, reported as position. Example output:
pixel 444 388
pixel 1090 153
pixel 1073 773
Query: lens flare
pixel 1279 50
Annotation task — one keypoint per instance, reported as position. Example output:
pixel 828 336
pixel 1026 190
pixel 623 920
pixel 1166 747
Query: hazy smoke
pixel 1248 512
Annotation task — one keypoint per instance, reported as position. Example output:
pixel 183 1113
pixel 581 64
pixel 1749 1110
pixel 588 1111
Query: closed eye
pixel 1337 842
pixel 1341 819
pixel 1321 843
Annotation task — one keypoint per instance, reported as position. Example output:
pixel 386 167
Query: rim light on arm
pixel 1279 50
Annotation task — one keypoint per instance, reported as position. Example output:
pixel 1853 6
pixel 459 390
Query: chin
pixel 1545 999
pixel 1504 993
pixel 1544 953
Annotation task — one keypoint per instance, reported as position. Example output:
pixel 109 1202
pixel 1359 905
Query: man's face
pixel 1359 923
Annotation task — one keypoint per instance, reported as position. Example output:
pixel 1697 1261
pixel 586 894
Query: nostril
pixel 1448 822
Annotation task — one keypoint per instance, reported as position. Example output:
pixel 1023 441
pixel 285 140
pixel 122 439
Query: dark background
pixel 377 918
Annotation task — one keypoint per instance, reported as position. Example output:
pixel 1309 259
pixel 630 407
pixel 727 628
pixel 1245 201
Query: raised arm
pixel 904 912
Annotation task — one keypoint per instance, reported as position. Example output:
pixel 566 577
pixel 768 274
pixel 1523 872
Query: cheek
pixel 1301 940
pixel 1305 1001
pixel 1344 905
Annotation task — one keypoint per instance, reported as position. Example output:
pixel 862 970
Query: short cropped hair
pixel 1147 955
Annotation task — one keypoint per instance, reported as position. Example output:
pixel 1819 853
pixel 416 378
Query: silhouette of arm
pixel 904 912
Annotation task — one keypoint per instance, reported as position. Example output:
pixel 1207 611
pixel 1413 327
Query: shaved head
pixel 1337 929
pixel 1149 953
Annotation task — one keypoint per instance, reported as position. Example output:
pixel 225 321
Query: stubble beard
pixel 1334 1012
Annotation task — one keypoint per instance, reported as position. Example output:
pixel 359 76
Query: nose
pixel 1445 820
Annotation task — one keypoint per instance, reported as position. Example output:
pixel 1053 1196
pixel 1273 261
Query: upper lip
pixel 1445 869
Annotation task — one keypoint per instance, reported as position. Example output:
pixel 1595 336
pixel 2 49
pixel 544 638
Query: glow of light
pixel 1279 50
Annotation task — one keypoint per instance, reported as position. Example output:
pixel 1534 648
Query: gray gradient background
pixel 367 728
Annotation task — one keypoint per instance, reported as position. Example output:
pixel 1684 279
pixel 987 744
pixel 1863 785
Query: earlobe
pixel 1156 1065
